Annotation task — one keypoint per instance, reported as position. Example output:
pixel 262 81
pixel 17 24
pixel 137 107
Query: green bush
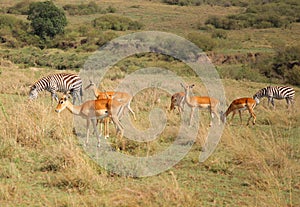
pixel 283 65
pixel 86 9
pixel 14 32
pixel 114 22
pixel 259 15
pixel 203 41
pixel 47 20
pixel 219 33
pixel 293 76
pixel 20 8
pixel 225 3
pixel 32 56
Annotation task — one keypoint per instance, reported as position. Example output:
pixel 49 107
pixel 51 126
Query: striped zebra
pixel 276 92
pixel 61 82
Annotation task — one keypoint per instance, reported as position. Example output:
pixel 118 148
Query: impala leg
pixel 120 129
pixel 131 111
pixel 218 117
pixel 106 128
pixel 95 129
pixel 181 105
pixel 233 114
pixel 87 131
pixel 240 114
pixel 254 118
pixel 191 115
pixel 252 115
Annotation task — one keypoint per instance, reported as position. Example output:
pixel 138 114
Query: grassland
pixel 43 163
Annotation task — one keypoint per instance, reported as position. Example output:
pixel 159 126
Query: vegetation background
pixel 252 44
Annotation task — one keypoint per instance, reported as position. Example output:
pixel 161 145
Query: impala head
pixel 33 93
pixel 62 104
pixel 187 88
pixel 223 117
pixel 90 85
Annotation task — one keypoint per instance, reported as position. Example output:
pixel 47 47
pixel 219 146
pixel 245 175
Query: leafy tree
pixel 47 20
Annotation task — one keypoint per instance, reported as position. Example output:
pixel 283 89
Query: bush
pixel 20 8
pixel 224 3
pixel 13 32
pixel 85 9
pixel 259 16
pixel 293 76
pixel 219 33
pixel 203 41
pixel 283 65
pixel 115 22
pixel 47 20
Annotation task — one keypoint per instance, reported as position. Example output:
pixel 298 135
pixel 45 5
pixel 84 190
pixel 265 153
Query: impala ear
pixel 67 94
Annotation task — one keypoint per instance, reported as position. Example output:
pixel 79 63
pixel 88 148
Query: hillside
pixel 43 162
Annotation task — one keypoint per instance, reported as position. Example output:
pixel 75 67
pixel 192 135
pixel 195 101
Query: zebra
pixel 62 82
pixel 276 92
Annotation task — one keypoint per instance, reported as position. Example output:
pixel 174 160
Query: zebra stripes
pixel 276 92
pixel 61 82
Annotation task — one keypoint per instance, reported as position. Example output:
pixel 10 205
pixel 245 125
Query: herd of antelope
pixel 111 105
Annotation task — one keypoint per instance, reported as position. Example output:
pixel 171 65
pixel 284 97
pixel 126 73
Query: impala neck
pixel 188 97
pixel 73 109
pixel 96 91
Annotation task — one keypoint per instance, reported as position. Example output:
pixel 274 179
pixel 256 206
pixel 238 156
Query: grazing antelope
pixel 202 102
pixel 276 92
pixel 62 82
pixel 123 97
pixel 238 105
pixel 177 100
pixel 91 111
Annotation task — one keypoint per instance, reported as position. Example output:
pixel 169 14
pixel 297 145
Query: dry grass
pixel 43 164
pixel 252 166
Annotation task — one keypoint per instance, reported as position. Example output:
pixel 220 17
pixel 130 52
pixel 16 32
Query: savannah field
pixel 43 162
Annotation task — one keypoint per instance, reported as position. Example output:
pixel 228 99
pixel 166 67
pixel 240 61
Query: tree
pixel 47 20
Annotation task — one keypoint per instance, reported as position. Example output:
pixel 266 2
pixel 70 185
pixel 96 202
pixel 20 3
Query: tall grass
pixel 42 162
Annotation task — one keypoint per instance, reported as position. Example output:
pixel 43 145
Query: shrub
pixel 13 32
pixel 47 20
pixel 202 40
pixel 20 8
pixel 283 65
pixel 85 9
pixel 115 22
pixel 224 3
pixel 259 16
pixel 293 76
pixel 219 33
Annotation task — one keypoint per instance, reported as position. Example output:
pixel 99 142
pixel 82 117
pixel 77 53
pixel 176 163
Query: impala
pixel 91 111
pixel 123 97
pixel 238 105
pixel 177 100
pixel 202 102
